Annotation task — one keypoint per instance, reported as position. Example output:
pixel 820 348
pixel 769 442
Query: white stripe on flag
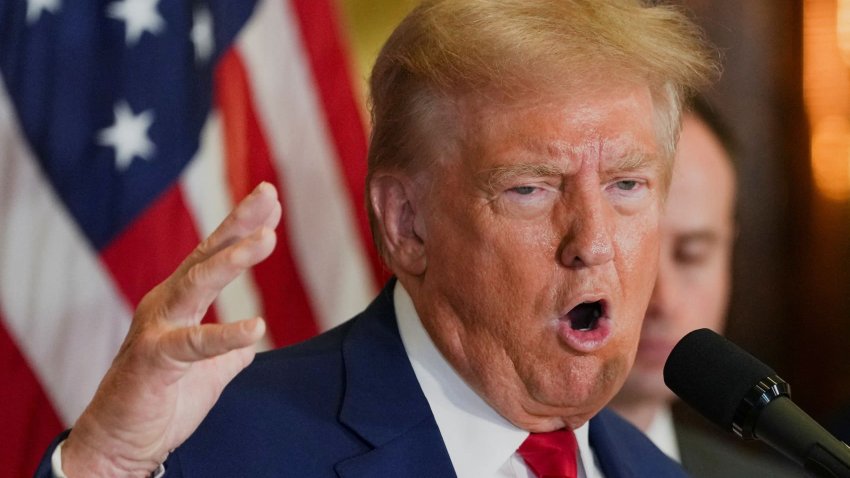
pixel 70 325
pixel 208 199
pixel 325 240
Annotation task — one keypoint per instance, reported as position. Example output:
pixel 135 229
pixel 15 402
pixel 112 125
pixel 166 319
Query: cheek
pixel 637 267
pixel 485 268
pixel 638 248
pixel 708 298
pixel 480 244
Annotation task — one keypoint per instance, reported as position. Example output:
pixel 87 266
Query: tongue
pixel 584 316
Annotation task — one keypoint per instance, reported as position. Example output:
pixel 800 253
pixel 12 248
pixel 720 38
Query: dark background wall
pixel 790 304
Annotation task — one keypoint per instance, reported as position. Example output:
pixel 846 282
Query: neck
pixel 639 412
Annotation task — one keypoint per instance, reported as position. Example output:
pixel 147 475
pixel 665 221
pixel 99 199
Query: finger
pixel 190 294
pixel 273 219
pixel 191 344
pixel 259 209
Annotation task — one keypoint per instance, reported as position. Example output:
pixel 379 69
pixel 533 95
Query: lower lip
pixel 585 341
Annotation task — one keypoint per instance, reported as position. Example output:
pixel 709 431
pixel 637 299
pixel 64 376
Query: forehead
pixel 604 124
pixel 702 192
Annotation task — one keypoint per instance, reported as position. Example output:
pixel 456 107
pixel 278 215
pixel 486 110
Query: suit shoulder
pixel 315 361
pixel 286 396
pixel 323 344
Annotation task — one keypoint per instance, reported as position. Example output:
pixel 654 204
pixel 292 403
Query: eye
pixel 527 199
pixel 628 188
pixel 630 194
pixel 693 251
pixel 627 184
pixel 524 190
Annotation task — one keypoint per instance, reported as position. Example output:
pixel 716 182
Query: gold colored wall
pixel 367 24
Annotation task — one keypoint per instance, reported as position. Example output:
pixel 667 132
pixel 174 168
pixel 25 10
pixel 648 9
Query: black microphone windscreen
pixel 712 375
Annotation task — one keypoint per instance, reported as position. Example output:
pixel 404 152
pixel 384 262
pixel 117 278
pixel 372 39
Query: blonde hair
pixel 446 49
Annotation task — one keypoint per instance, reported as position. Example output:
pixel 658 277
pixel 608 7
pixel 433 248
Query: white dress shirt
pixel 481 443
pixel 663 434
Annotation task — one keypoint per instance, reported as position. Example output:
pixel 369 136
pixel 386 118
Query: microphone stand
pixel 788 429
pixel 809 444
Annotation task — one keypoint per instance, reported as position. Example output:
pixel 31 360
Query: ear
pixel 402 225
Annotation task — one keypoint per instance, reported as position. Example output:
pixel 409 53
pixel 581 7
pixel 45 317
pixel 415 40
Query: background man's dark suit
pixel 709 453
pixel 347 404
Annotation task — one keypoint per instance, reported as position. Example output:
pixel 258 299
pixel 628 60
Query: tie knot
pixel 551 454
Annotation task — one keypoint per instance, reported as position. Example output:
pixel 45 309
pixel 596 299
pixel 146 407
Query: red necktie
pixel 551 454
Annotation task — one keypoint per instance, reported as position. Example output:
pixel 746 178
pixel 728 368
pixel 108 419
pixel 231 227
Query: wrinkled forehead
pixel 620 119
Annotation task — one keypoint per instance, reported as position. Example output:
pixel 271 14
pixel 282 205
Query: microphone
pixel 736 391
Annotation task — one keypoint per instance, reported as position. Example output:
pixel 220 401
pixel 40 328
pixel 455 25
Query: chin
pixel 554 419
pixel 544 425
pixel 588 386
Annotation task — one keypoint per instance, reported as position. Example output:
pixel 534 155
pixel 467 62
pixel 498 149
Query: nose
pixel 588 241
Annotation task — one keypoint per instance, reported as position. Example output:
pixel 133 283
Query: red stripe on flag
pixel 148 251
pixel 286 305
pixel 329 62
pixel 28 420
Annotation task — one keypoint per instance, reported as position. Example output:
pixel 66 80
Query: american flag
pixel 128 129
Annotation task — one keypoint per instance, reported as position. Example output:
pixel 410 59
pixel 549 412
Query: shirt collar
pixel 479 440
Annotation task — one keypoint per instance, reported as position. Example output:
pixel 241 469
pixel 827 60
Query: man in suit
pixel 691 292
pixel 518 164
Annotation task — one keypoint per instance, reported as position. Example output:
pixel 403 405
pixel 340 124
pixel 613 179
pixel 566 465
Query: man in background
pixel 691 292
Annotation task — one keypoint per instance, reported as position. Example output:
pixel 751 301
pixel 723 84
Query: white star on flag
pixel 36 7
pixel 128 135
pixel 139 16
pixel 202 34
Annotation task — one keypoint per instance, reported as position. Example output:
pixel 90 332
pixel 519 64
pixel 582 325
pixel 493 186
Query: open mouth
pixel 585 316
pixel 587 327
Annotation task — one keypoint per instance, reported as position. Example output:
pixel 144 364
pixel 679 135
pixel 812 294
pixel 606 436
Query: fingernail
pixel 252 325
pixel 265 186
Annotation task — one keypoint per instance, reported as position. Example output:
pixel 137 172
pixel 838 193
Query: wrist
pixel 79 459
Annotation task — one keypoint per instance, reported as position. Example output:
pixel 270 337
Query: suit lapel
pixel 383 403
pixel 417 452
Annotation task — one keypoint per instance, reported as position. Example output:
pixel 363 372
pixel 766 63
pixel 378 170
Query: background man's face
pixel 692 289
pixel 545 207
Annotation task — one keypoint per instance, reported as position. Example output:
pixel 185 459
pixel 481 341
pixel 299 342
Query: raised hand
pixel 170 369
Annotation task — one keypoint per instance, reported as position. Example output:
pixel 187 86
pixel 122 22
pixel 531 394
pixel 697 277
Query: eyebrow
pixel 494 177
pixel 636 161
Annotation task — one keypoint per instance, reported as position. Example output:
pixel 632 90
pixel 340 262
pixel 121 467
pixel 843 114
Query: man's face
pixel 692 289
pixel 541 241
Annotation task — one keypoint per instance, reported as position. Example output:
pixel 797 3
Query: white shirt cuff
pixel 56 461
pixel 56 464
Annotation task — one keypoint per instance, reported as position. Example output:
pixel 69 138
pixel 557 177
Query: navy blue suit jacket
pixel 347 404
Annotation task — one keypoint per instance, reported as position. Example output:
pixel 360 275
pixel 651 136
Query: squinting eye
pixel 523 190
pixel 627 185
